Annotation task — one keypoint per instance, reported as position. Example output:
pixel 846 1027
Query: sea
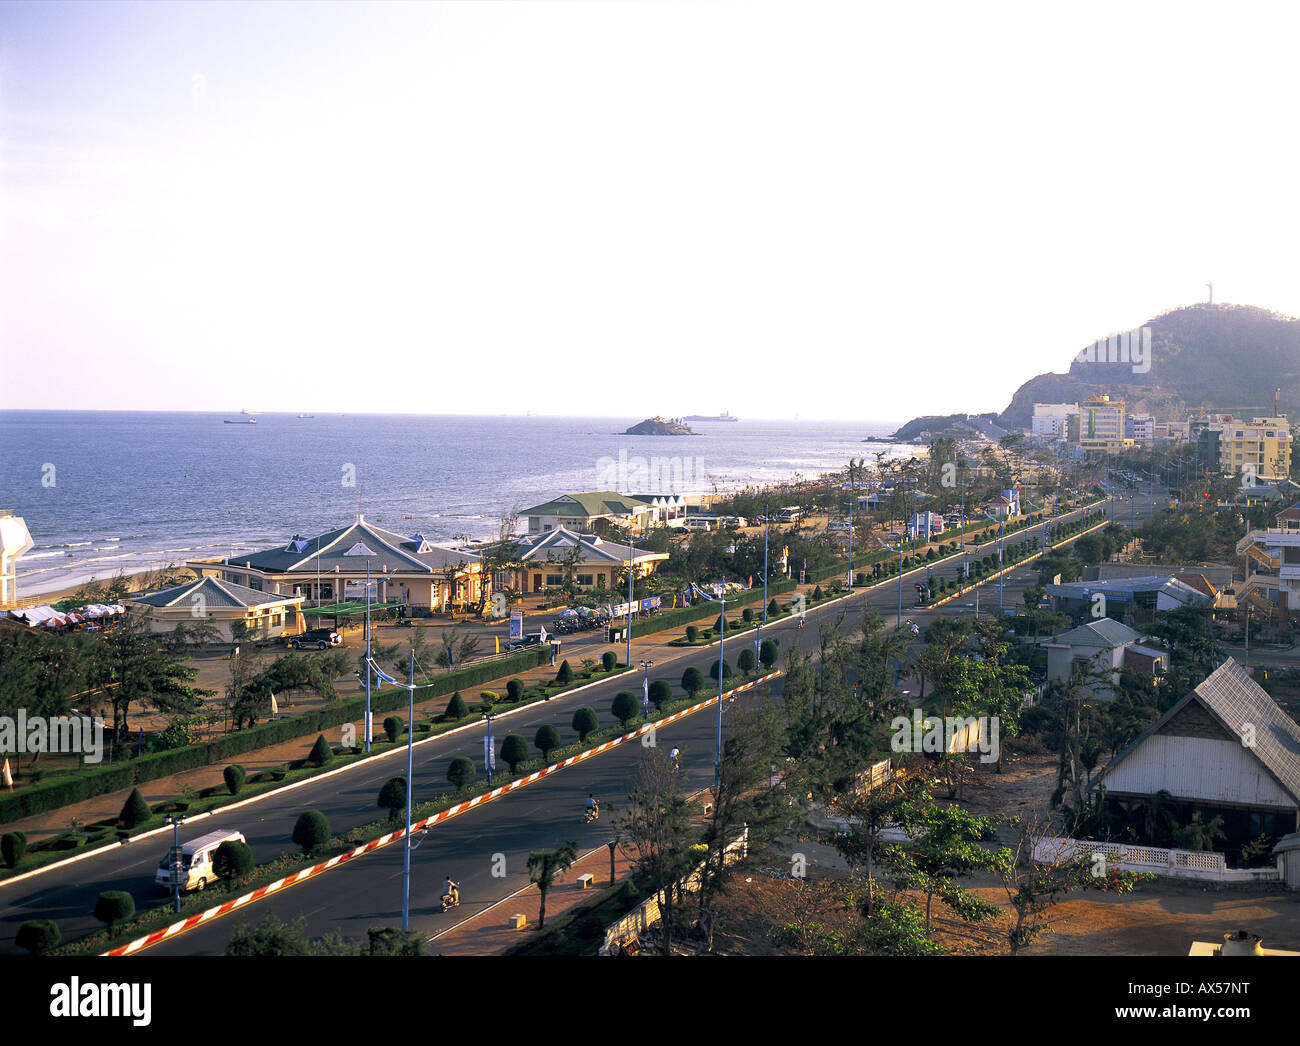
pixel 104 493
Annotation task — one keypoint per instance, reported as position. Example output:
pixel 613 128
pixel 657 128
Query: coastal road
pixel 67 895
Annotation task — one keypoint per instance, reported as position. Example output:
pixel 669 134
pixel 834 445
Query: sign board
pixel 357 590
pixel 516 624
pixel 489 756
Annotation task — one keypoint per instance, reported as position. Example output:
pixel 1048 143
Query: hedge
pixel 88 783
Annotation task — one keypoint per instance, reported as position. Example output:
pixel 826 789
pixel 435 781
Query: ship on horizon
pixel 724 416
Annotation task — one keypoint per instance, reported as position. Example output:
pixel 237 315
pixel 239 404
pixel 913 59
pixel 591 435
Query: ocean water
pixel 103 492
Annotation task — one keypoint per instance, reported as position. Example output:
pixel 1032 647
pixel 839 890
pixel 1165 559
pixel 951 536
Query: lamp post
pixel 722 646
pixel 629 590
pixel 1000 565
pixel 645 688
pixel 489 760
pixel 178 868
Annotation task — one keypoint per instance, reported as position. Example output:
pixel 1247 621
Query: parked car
pixel 320 638
pixel 530 639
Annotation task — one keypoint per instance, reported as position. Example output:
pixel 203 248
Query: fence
pixel 646 914
pixel 1179 864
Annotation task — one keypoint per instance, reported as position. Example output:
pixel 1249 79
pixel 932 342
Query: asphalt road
pixel 535 817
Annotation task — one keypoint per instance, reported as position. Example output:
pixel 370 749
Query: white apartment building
pixel 1050 418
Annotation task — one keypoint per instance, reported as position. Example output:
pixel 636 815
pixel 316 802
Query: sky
pixel 837 210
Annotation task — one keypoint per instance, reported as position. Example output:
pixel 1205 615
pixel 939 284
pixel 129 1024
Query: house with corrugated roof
pixel 599 563
pixel 1226 750
pixel 334 566
pixel 210 601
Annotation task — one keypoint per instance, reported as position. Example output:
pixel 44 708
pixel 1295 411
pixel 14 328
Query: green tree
pixel 514 690
pixel 746 661
pixel 608 660
pixel 232 861
pixel 692 681
pixel 393 728
pixel 456 708
pixel 135 811
pixel 392 797
pixel 661 692
pixel 514 750
pixel 544 866
pixel 727 671
pixel 625 707
pixel 546 740
pixel 565 675
pixel 321 754
pixel 114 907
pixel 12 847
pixel 234 776
pixel 767 653
pixel 389 940
pixel 585 722
pixel 38 936
pixel 461 771
pixel 312 831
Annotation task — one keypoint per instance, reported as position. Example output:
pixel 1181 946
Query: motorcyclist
pixel 450 892
pixel 672 757
pixel 593 807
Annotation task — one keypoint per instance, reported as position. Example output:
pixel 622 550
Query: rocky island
pixel 658 426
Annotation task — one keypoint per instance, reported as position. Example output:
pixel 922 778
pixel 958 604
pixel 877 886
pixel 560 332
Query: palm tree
pixel 545 865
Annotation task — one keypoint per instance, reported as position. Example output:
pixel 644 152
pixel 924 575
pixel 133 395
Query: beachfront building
pixel 598 563
pixel 331 567
pixel 1226 749
pixel 220 604
pixel 15 539
pixel 597 511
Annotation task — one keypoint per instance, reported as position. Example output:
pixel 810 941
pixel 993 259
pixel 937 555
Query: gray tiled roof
pixel 1100 633
pixel 350 548
pixel 535 547
pixel 591 505
pixel 215 593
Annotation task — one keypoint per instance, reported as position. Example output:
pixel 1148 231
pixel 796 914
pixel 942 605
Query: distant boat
pixel 252 412
pixel 724 416
pixel 250 421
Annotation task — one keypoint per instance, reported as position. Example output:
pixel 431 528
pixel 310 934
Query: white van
pixel 698 523
pixel 196 861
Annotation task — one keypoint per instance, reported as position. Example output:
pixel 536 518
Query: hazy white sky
pixel 832 209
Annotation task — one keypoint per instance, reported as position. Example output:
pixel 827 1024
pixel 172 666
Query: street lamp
pixel 178 868
pixel 722 646
pixel 901 544
pixel 645 688
pixel 489 756
pixel 998 521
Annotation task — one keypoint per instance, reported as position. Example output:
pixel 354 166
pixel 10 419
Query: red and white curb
pixel 177 928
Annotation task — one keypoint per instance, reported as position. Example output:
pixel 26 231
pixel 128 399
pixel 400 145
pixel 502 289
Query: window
pixel 586 580
pixel 554 580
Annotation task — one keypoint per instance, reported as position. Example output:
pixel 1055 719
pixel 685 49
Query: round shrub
pixel 585 722
pixel 565 674
pixel 746 661
pixel 112 907
pixel 661 692
pixel 234 776
pixel 38 936
pixel 461 772
pixel 456 708
pixel 747 614
pixel 692 681
pixel 514 690
pixel 320 754
pixel 12 847
pixel 232 861
pixel 608 661
pixel 392 797
pixel 767 652
pixel 488 698
pixel 135 811
pixel 727 672
pixel 817 593
pixel 514 750
pixel 773 608
pixel 625 707
pixel 546 741
pixel 692 633
pixel 312 831
pixel 393 728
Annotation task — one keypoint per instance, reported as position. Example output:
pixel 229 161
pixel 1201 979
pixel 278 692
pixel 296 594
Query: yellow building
pixel 1262 446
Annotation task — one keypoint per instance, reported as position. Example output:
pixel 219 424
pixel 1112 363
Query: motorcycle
pixel 593 812
pixel 450 901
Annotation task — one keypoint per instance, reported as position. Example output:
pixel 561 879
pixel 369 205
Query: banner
pixel 516 624
pixel 489 756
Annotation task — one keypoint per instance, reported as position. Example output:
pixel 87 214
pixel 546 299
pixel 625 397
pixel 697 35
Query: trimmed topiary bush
pixel 661 692
pixel 232 861
pixel 747 614
pixel 234 776
pixel 625 707
pixel 565 674
pixel 461 772
pixel 585 722
pixel 456 707
pixel 692 633
pixel 514 690
pixel 514 750
pixel 12 847
pixel 38 936
pixel 312 831
pixel 727 672
pixel 135 811
pixel 546 741
pixel 392 797
pixel 746 661
pixel 608 661
pixel 113 907
pixel 393 728
pixel 773 608
pixel 692 681
pixel 321 753
pixel 817 593
pixel 767 652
